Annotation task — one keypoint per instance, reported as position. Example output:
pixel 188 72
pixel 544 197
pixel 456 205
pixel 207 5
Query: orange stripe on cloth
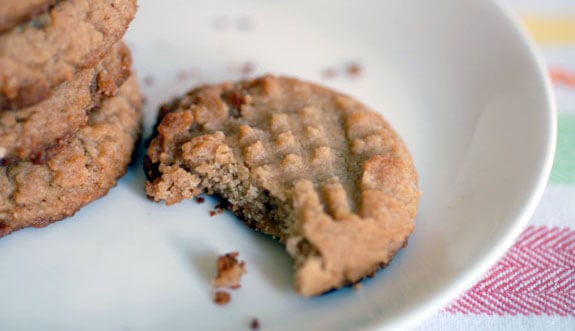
pixel 562 77
pixel 551 29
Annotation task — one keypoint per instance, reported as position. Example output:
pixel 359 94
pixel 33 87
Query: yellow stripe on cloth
pixel 551 29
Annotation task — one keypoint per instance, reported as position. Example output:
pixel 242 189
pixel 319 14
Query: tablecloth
pixel 532 287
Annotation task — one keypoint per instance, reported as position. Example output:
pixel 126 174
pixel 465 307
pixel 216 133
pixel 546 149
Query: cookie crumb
pixel 200 199
pixel 255 324
pixel 242 69
pixel 230 271
pixel 329 73
pixel 247 69
pixel 222 297
pixel 219 209
pixel 354 69
pixel 186 74
pixel 357 286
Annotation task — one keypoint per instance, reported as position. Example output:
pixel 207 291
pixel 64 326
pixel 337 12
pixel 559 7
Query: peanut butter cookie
pixel 39 54
pixel 36 132
pixel 13 12
pixel 312 167
pixel 37 195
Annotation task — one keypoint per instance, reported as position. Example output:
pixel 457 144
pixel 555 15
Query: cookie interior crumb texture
pixel 307 165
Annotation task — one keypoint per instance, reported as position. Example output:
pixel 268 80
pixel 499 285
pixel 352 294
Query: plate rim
pixel 425 310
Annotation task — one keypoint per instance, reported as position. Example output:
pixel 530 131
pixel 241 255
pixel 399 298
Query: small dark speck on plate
pixel 149 80
pixel 244 23
pixel 255 324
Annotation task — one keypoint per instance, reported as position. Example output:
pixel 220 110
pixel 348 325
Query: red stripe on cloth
pixel 535 277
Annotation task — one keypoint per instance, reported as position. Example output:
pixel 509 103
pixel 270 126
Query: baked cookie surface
pixel 312 167
pixel 36 132
pixel 13 12
pixel 39 54
pixel 37 195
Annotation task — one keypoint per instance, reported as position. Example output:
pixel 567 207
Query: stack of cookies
pixel 69 106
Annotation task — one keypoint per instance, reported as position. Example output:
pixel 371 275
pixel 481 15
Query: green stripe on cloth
pixel 564 167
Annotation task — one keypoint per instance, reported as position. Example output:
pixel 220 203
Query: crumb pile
pixel 307 165
pixel 69 106
pixel 229 274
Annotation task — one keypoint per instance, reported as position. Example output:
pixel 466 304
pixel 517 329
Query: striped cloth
pixel 533 286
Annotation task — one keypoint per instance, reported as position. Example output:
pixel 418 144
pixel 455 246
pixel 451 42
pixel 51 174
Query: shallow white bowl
pixel 457 79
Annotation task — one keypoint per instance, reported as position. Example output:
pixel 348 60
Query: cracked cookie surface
pixel 41 53
pixel 37 132
pixel 312 167
pixel 97 155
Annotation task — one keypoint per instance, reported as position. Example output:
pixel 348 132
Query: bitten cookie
pixel 39 54
pixel 34 133
pixel 312 167
pixel 99 153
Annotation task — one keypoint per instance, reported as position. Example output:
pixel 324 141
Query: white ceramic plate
pixel 457 79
